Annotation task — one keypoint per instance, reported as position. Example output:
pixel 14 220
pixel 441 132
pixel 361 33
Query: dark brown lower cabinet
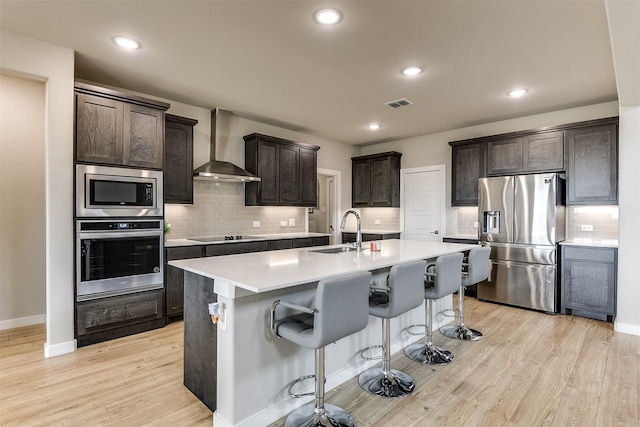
pixel 348 237
pixel 114 317
pixel 588 284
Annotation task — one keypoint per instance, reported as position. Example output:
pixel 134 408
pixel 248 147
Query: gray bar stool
pixel 444 280
pixel 340 308
pixel 477 267
pixel 403 293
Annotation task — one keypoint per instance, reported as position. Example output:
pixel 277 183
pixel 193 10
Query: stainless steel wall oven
pixel 116 257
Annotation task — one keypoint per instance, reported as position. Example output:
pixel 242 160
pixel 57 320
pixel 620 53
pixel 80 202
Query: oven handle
pixel 118 234
pixel 86 253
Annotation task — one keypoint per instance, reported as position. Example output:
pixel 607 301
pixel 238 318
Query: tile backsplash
pixel 596 222
pixel 218 209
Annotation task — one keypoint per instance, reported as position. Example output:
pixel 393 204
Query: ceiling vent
pixel 398 103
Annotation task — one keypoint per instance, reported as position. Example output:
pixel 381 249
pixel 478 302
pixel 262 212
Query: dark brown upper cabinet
pixel 178 159
pixel 288 171
pixel 592 172
pixel 468 166
pixel 586 151
pixel 504 156
pixel 116 128
pixel 543 152
pixel 375 180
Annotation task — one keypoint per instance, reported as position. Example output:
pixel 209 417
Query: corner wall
pixel 31 58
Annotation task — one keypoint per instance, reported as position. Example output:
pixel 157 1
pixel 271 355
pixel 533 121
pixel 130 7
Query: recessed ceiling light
pixel 517 93
pixel 126 42
pixel 328 16
pixel 412 71
pixel 373 126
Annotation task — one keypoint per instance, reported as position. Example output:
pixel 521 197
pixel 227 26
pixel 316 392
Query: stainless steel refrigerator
pixel 522 218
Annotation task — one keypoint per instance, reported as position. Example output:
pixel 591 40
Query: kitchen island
pixel 253 369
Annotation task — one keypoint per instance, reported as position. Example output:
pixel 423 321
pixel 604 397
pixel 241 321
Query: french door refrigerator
pixel 522 218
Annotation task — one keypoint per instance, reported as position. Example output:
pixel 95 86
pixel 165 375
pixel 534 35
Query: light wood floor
pixel 531 369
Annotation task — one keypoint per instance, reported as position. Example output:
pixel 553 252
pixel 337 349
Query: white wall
pixel 54 65
pixel 22 202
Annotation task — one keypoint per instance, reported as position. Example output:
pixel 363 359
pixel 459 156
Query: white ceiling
pixel 268 60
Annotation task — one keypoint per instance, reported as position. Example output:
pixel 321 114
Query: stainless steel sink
pixel 339 250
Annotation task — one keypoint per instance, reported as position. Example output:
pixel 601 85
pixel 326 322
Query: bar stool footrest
pixel 298 395
pixel 417 325
pixel 371 347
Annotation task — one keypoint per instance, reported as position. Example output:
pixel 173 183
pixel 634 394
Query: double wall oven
pixel 119 231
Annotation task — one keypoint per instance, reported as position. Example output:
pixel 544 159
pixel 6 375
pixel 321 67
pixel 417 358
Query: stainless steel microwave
pixel 103 191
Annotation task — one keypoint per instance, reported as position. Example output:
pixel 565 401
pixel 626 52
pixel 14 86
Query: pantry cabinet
pixel 118 129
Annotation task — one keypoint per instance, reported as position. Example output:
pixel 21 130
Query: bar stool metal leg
pixel 386 382
pixel 318 414
pixel 460 331
pixel 426 352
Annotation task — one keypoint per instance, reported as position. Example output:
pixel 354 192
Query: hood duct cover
pixel 216 169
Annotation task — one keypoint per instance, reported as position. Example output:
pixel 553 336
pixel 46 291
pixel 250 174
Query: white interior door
pixel 423 203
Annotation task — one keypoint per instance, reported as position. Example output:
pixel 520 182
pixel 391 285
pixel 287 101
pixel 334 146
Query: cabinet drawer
pixel 116 312
pixel 236 248
pixel 590 253
pixel 185 252
pixel 275 245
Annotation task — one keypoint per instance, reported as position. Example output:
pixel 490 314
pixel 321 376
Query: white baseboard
pixel 626 328
pixel 22 321
pixel 58 349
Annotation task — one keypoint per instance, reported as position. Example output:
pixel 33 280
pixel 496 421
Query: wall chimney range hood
pixel 218 170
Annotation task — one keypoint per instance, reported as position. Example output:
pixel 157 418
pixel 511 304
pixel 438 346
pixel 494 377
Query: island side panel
pixel 200 339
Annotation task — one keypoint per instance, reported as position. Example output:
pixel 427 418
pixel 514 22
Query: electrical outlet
pixel 475 224
pixel 376 222
pixel 283 223
pixel 256 223
pixel 586 227
pixel 292 222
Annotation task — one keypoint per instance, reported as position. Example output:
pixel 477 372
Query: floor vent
pixel 398 103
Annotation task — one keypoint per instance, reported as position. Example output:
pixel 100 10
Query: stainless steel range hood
pixel 216 169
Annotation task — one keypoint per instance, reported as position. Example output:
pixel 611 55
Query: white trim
pixel 22 321
pixel 626 328
pixel 58 349
pixel 337 206
pixel 442 178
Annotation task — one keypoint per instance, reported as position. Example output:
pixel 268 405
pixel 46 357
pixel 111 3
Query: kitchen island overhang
pixel 253 368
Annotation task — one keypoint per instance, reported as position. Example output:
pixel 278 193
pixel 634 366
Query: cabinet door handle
pixel 435 232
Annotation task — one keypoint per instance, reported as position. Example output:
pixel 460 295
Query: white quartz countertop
pixel 602 243
pixel 172 243
pixel 267 271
